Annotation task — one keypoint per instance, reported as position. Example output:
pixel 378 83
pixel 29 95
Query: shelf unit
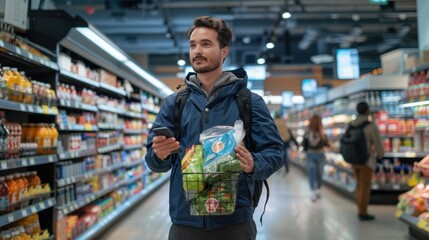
pixel 133 179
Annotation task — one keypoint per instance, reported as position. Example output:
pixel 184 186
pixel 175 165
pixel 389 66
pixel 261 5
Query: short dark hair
pixel 224 34
pixel 362 108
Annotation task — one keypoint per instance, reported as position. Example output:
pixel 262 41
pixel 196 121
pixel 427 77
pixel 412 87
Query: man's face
pixel 205 53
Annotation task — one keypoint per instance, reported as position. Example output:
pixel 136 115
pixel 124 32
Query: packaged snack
pixel 192 170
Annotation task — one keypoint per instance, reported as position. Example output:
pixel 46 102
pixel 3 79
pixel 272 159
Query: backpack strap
pixel 181 98
pixel 244 102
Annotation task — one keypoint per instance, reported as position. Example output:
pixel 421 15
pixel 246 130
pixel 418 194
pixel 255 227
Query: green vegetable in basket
pixel 192 167
pixel 219 199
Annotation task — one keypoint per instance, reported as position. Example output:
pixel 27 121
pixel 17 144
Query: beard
pixel 205 68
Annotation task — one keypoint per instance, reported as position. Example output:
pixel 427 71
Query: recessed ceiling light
pixel 246 39
pixel 286 15
pixel 270 45
pixel 355 17
pixel 261 61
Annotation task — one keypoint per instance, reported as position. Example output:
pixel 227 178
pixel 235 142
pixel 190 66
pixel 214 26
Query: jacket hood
pixel 236 78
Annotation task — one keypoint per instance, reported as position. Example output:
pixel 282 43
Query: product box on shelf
pixel 399 61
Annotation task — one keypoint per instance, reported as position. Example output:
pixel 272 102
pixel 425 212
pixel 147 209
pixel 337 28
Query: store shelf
pixel 132 147
pixel 21 107
pixel 24 212
pixel 420 67
pixel 77 154
pixel 112 217
pixel 150 109
pixel 27 162
pixel 138 131
pixel 421 226
pixel 77 105
pixel 88 175
pixel 76 78
pixel 109 126
pixel 110 148
pixel 132 164
pixel 110 109
pixel 390 187
pixel 344 169
pixel 112 89
pixel 406 154
pixel 75 205
pixel 337 185
pixel 77 128
pixel 132 114
pixel 27 56
pixel 133 179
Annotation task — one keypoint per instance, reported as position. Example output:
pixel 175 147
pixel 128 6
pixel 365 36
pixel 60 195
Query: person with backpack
pixel 315 140
pixel 211 98
pixel 363 167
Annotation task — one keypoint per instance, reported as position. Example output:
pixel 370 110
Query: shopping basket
pixel 212 193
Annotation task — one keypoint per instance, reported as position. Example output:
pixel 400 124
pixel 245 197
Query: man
pixel 363 172
pixel 212 102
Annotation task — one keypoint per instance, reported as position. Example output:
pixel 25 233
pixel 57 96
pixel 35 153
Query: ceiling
pixel 156 28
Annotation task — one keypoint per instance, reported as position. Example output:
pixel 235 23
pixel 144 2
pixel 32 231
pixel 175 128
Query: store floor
pixel 290 215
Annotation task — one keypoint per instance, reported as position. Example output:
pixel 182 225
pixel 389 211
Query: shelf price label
pixel 10 218
pixel 24 212
pixel 45 109
pixel 42 205
pixel 88 127
pixel 33 209
pixel 3 165
pixel 54 110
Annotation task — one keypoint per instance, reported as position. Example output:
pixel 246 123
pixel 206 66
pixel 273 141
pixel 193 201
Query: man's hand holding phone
pixel 164 143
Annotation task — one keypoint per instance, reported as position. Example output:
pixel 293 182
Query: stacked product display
pixel 413 206
pixel 338 108
pixel 72 138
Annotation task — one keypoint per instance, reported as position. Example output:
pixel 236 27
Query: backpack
pixel 306 143
pixel 243 99
pixel 353 145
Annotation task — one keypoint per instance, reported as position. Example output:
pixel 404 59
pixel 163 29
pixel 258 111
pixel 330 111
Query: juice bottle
pixel 34 180
pixel 10 84
pixel 36 223
pixel 20 184
pixel 42 138
pixel 15 234
pixel 13 189
pixel 48 139
pixel 4 195
pixel 25 182
pixel 2 84
pixel 19 86
pixel 27 91
pixel 54 139
pixel 31 133
pixel 24 130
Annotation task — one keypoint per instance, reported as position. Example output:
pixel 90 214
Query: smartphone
pixel 163 131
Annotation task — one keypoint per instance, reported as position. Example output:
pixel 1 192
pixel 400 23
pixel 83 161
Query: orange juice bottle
pixel 36 223
pixel 20 185
pixel 13 189
pixel 19 85
pixel 34 180
pixel 25 182
pixel 41 137
pixel 48 139
pixel 27 88
pixel 11 83
pixel 54 139
pixel 30 134
pixel 24 130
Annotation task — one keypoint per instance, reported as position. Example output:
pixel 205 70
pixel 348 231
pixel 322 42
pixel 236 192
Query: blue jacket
pixel 202 112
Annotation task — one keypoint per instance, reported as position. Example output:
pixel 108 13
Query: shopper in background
pixel 363 172
pixel 212 102
pixel 315 140
pixel 287 138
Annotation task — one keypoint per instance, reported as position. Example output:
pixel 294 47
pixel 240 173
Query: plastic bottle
pixel 4 195
pixel 13 189
pixel 30 134
pixel 25 182
pixel 27 90
pixel 48 139
pixel 34 180
pixel 36 223
pixel 19 86
pixel 20 185
pixel 54 139
pixel 42 139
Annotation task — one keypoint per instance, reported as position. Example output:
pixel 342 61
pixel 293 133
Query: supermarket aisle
pixel 290 215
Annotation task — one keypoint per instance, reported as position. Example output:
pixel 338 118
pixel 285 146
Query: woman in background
pixel 315 140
